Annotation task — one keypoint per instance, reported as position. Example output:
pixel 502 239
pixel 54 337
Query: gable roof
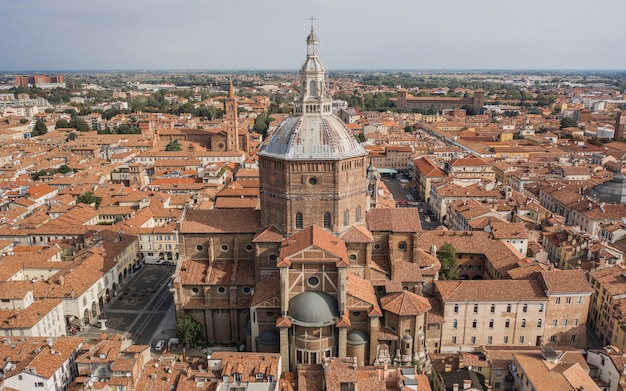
pixel 313 237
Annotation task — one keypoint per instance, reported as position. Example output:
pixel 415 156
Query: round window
pixel 356 313
pixel 199 247
pixel 269 314
pixel 313 281
pixel 246 290
pixel 377 246
pixel 402 246
pixel 195 290
pixel 224 248
pixel 312 181
pixel 248 247
pixel 273 257
pixel 379 288
pixel 221 290
pixel 352 257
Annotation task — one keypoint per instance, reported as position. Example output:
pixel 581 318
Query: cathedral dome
pixel 312 137
pixel 312 131
pixel 313 308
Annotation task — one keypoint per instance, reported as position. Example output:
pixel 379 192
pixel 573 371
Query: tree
pixel 173 146
pixel 40 128
pixel 447 257
pixel 62 123
pixel 63 169
pixel 79 124
pixel 127 129
pixel 188 330
pixel 567 122
pixel 470 110
pixel 71 136
pixel 89 198
pixel 23 120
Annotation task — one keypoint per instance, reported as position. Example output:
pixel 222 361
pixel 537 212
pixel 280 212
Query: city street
pixel 142 309
pixel 405 198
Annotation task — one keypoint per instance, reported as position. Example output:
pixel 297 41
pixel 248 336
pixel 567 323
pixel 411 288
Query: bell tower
pixel 232 120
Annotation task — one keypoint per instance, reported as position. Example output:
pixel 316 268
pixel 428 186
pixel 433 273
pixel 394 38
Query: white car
pixel 159 345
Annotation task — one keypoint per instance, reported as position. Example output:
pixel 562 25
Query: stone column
pixel 284 349
pixel 343 342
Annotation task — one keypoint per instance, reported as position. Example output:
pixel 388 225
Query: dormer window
pixel 237 377
pixel 259 376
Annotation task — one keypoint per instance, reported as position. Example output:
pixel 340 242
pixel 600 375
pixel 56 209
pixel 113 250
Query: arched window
pixel 346 217
pixel 298 220
pixel 313 88
pixel 357 214
pixel 327 221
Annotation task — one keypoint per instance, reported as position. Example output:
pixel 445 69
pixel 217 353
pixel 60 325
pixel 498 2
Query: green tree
pixel 89 198
pixel 447 256
pixel 127 129
pixel 23 120
pixel 62 123
pixel 37 174
pixel 63 169
pixel 188 330
pixel 40 128
pixel 79 124
pixel 470 110
pixel 568 123
pixel 173 146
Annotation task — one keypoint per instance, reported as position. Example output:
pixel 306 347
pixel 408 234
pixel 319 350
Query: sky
pixel 57 35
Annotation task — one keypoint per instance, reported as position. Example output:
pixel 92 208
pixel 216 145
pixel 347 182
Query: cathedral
pixel 318 271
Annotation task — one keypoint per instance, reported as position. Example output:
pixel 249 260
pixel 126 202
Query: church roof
pixel 221 221
pixel 313 236
pixel 394 220
pixel 357 234
pixel 269 234
pixel 405 304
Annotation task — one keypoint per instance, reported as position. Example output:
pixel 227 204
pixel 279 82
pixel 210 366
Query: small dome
pixel 313 309
pixel 358 337
pixel 268 337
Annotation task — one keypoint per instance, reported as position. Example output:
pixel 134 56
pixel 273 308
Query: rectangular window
pixel 558 300
pixel 454 340
pixel 521 339
pixel 506 339
pixel 575 322
pixel 489 340
pixel 473 340
pixel 555 323
pixel 564 322
pixel 568 300
pixel 579 299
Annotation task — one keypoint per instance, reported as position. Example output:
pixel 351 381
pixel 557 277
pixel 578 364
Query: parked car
pixel 159 345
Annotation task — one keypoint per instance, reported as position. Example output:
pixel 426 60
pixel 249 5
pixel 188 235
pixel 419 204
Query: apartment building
pixel 548 308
